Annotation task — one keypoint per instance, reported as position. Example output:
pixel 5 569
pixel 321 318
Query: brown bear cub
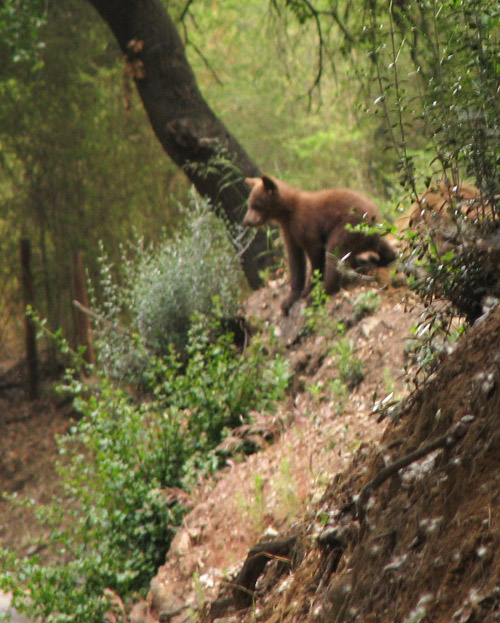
pixel 313 225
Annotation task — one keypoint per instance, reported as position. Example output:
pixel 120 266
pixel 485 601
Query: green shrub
pixel 452 96
pixel 340 394
pixel 162 288
pixel 182 277
pixel 125 464
pixel 438 96
pixel 366 303
pixel 350 367
pixel 316 313
pixel 128 465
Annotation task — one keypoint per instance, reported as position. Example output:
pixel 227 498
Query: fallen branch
pixel 257 559
pixel 98 317
pixel 448 440
pixel 89 312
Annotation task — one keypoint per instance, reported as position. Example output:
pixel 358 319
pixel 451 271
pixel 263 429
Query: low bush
pixel 449 95
pixel 161 288
pixel 366 303
pixel 351 371
pixel 127 468
pixel 129 464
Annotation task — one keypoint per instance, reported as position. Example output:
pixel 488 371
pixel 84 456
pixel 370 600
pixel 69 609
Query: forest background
pixel 80 163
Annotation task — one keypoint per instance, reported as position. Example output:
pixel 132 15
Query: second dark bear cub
pixel 313 225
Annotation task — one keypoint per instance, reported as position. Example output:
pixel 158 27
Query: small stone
pixel 140 613
pixel 368 325
pixel 181 544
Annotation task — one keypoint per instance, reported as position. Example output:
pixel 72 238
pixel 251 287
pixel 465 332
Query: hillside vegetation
pixel 422 546
pixel 218 461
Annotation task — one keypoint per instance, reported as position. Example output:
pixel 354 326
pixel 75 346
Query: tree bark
pixel 185 125
pixel 29 326
pixel 83 328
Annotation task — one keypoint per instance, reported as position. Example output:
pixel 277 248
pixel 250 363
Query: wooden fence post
pixel 29 326
pixel 83 328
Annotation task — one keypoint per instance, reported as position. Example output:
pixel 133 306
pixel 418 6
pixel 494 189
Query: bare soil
pixel 28 451
pixel 425 547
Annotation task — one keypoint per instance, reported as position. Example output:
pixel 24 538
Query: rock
pixel 368 325
pixel 160 593
pixel 8 612
pixel 140 613
pixel 116 612
pixel 181 544
pixel 172 610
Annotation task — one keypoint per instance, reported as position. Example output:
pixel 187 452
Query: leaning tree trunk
pixel 187 128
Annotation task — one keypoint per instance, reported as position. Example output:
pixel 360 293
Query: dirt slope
pixel 427 548
pixel 420 545
pixel 320 431
pixel 424 545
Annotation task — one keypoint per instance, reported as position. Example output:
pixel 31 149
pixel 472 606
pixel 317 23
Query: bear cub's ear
pixel 269 184
pixel 252 181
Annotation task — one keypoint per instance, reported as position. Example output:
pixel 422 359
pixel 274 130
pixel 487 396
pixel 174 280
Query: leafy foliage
pixel 194 271
pixel 127 467
pixel 317 314
pixel 182 278
pixel 432 340
pixel 75 155
pixel 350 367
pixel 431 71
pixel 432 78
pixel 79 161
pixel 312 137
pixel 366 303
pixel 450 94
pixel 20 23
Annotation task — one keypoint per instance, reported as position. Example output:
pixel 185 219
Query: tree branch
pixel 315 16
pixel 257 559
pixel 448 440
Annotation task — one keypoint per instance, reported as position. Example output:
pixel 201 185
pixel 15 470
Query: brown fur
pixel 432 206
pixel 313 226
pixel 433 212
